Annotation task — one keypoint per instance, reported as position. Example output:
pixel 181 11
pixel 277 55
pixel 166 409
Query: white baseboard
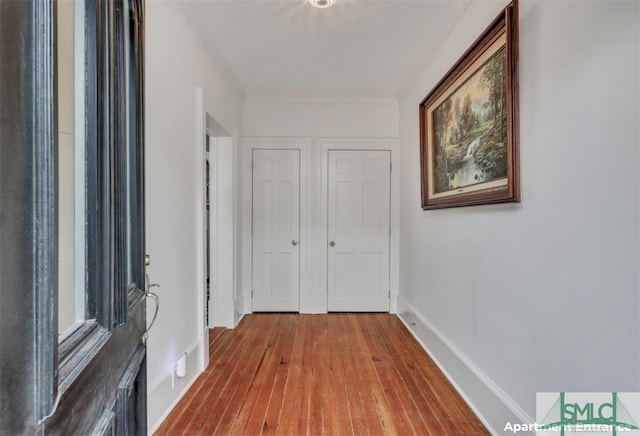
pixel 238 320
pixel 492 405
pixel 162 397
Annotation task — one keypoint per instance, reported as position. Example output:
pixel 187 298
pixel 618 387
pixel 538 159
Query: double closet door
pixel 358 230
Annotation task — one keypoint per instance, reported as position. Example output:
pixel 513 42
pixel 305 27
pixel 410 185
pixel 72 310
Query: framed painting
pixel 469 124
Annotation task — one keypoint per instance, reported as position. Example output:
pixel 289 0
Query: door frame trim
pixel 28 224
pixel 326 144
pixel 205 108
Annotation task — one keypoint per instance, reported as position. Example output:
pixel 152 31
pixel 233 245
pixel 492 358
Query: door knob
pixel 147 260
pixel 294 242
pixel 332 243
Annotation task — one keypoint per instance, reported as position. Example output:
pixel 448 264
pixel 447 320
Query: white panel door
pixel 276 229
pixel 359 195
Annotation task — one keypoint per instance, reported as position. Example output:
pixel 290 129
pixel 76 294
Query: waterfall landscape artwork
pixel 469 130
pixel 469 124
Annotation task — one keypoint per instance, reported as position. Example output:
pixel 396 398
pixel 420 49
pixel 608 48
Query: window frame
pixel 36 370
pixel 108 180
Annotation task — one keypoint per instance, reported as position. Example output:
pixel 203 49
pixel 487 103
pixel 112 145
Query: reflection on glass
pixel 134 255
pixel 130 124
pixel 70 63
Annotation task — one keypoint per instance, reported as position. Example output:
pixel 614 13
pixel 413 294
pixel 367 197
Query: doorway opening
pixel 210 220
pixel 215 229
pixel 219 231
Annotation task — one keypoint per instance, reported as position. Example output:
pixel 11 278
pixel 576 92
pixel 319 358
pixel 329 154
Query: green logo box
pixel 588 413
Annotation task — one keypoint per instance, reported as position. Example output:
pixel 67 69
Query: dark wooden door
pixel 93 380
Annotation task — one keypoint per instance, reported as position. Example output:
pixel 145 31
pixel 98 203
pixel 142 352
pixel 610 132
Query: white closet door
pixel 359 195
pixel 276 229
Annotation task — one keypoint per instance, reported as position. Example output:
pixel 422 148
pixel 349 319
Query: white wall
pixel 176 64
pixel 375 118
pixel 542 295
pixel 313 126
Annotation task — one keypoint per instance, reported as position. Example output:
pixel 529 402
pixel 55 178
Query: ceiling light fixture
pixel 322 4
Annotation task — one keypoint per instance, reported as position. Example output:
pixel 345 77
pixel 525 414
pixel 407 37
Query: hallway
pixel 320 374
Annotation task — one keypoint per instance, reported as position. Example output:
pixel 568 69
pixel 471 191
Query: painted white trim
pixel 489 402
pixel 205 108
pixel 324 145
pixel 200 144
pixel 234 173
pixel 239 319
pixel 224 281
pixel 239 297
pixel 212 156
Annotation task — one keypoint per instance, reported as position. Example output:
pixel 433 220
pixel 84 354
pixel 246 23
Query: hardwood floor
pixel 333 374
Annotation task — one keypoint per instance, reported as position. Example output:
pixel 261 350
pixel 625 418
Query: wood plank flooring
pixel 335 374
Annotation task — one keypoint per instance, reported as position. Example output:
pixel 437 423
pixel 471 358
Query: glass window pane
pixel 71 167
pixel 129 135
pixel 134 261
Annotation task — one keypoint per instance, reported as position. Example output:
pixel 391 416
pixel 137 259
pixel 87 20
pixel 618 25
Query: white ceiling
pixel 355 49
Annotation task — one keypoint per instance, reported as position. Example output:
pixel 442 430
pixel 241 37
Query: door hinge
pixel 389 230
pixel 390 167
pixel 389 293
pixel 252 293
